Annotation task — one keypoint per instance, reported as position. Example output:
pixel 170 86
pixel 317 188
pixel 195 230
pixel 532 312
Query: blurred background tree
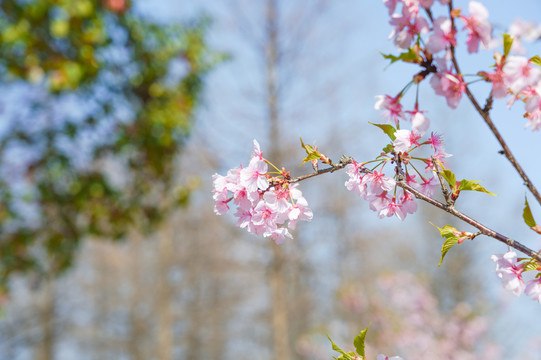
pixel 102 103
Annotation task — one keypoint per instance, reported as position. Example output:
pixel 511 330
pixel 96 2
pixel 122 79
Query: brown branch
pixel 482 228
pixel 485 114
pixel 485 230
pixel 334 167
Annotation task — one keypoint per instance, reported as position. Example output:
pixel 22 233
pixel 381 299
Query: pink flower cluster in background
pixel 266 205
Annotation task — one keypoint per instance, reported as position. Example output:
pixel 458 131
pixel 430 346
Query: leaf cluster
pixel 129 116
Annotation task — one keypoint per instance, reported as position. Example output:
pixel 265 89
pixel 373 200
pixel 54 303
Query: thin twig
pixel 444 189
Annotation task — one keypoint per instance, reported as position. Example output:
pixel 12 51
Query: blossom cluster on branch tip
pixel 509 269
pixel 266 205
pixel 381 191
pixel 514 76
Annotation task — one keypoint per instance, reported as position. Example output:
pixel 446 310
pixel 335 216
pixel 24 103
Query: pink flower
pixel 392 109
pixel 379 182
pixel 392 208
pixel 533 289
pixel 405 140
pixel 257 151
pixel 261 208
pixel 436 142
pixel 510 271
pixel 443 35
pixel 299 211
pixel 519 73
pixel 426 3
pixel 419 122
pixel 533 108
pixel 391 5
pixel 253 177
pixel 449 85
pixel 279 235
pixel 409 204
pixel 523 30
pixel 499 87
pixel 428 187
pixel 220 193
pixel 379 202
pixel 407 25
pixel 406 29
pixel 478 26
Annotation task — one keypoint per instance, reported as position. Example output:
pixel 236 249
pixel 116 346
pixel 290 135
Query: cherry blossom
pixel 448 84
pixel 419 122
pixel 533 108
pixel 405 139
pixel 392 109
pixel 442 36
pixel 429 186
pixel 519 73
pixel 392 208
pixel 533 289
pixel 478 27
pixel 253 177
pixel 407 24
pixel 521 30
pixel 265 205
pixel 436 142
pixel 497 78
pixel 510 271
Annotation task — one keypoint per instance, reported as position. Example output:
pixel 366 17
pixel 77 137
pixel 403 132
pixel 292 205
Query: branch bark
pixel 485 230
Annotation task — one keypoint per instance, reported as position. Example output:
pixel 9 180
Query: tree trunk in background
pixel 44 349
pixel 163 294
pixel 279 316
pixel 136 337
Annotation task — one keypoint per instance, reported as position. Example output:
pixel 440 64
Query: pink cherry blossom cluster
pixel 265 205
pixel 522 80
pixel 510 270
pixel 516 76
pixel 408 24
pixel 380 190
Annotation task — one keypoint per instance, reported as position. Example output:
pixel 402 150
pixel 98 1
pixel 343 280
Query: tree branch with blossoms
pixel 497 78
pixel 412 165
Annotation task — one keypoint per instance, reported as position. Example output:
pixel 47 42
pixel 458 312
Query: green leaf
pixel 336 347
pixel 387 129
pixel 531 265
pixel 388 148
pixel 345 355
pixel 358 342
pixel 309 158
pixel 536 60
pixel 507 42
pixel 450 177
pixel 447 232
pixel 312 153
pixel 527 214
pixel 407 56
pixel 447 245
pixel 473 186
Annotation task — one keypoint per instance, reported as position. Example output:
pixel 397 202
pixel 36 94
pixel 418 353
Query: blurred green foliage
pixel 96 151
